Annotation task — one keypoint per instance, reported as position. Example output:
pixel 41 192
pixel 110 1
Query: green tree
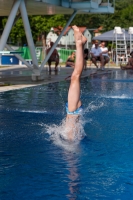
pixel 40 25
pixel 88 20
pixel 1 25
pixel 17 33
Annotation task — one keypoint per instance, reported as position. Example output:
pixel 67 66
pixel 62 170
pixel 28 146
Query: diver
pixel 74 105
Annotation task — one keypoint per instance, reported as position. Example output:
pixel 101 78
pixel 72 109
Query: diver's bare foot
pixel 77 35
pixel 84 39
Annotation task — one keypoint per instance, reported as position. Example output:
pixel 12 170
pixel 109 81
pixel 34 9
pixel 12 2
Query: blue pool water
pixel 35 164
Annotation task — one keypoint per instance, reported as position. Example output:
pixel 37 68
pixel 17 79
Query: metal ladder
pixel 119 42
pixel 130 32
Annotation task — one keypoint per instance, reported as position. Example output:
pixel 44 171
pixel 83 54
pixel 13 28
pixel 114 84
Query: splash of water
pixel 27 111
pixel 121 96
pixel 59 134
pixel 94 105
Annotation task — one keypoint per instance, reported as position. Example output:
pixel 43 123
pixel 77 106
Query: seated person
pixel 86 52
pixel 54 57
pixel 129 65
pixel 71 60
pixel 96 55
pixel 104 53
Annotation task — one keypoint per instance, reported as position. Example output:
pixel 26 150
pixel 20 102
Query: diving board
pixel 52 7
pixel 11 52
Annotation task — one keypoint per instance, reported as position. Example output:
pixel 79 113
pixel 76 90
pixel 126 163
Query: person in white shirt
pixel 104 53
pixel 96 55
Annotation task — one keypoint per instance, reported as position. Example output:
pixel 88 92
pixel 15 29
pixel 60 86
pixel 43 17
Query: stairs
pixel 130 32
pixel 119 46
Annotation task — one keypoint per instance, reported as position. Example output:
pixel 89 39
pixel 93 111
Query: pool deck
pixel 16 77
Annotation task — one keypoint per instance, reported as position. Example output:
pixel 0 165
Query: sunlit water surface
pixel 36 163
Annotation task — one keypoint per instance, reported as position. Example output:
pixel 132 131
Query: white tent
pixel 110 36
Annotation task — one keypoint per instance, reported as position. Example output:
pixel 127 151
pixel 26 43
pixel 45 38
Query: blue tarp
pixel 110 36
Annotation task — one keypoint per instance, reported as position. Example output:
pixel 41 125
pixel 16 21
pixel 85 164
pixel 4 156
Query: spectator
pixel 53 58
pixel 86 52
pixel 104 53
pixel 96 55
pixel 129 65
pixel 71 60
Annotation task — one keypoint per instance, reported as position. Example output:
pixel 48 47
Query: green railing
pixel 26 53
pixel 63 53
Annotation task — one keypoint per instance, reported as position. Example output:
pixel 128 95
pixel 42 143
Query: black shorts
pixel 53 59
pixel 97 58
pixel 86 57
pixel 106 57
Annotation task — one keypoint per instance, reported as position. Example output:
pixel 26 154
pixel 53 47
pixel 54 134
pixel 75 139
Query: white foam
pixel 122 96
pixel 59 134
pixel 94 105
pixel 29 111
pixel 33 111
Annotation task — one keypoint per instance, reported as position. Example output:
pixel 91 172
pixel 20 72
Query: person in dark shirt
pixel 53 58
pixel 86 55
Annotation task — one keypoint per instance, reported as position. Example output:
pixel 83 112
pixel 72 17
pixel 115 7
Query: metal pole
pixel 16 19
pixel 58 39
pixel 10 49
pixel 28 34
pixel 66 43
pixel 9 24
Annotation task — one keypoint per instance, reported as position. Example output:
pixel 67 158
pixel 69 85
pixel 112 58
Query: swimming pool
pixel 36 165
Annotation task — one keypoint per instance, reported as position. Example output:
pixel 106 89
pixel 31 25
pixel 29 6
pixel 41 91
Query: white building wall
pixel 62 40
pixel 51 37
pixel 87 35
pixel 71 37
pixel 67 39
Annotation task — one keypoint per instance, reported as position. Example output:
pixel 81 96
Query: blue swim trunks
pixel 76 112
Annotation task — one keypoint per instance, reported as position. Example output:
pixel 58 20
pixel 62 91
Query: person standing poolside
pixel 53 58
pixel 86 55
pixel 74 105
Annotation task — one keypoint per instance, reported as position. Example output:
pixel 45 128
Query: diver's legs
pixel 74 89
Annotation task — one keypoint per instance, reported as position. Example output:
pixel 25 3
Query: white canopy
pixel 110 36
